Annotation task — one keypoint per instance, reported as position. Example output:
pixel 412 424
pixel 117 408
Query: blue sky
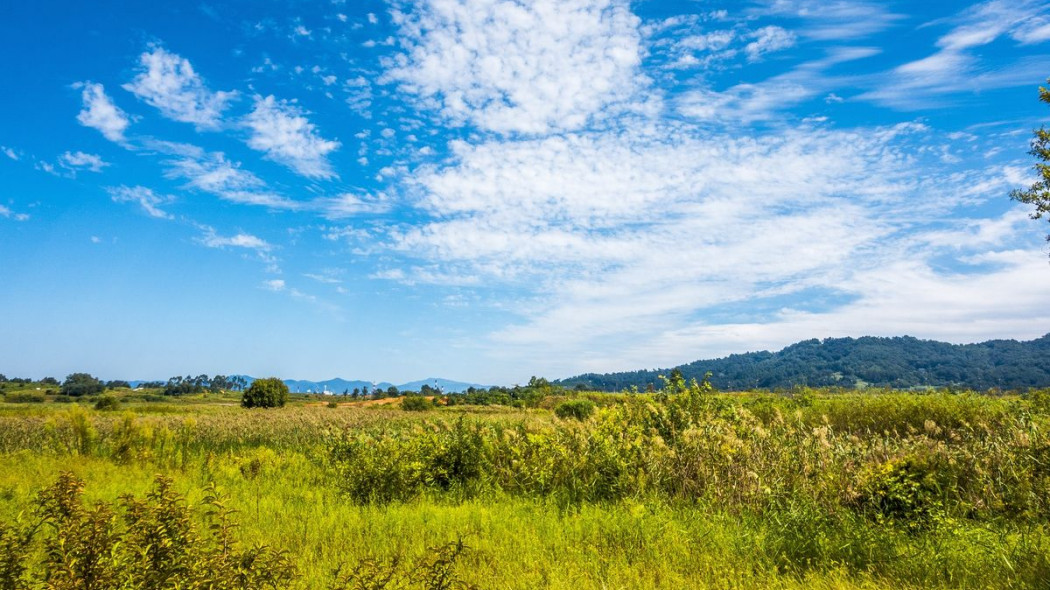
pixel 488 190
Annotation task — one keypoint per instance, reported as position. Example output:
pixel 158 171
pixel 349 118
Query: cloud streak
pixel 955 68
pixel 80 161
pixel 149 201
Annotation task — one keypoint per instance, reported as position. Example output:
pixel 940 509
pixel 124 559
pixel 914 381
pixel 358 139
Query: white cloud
pixel 9 214
pixel 247 241
pixel 349 205
pixel 168 82
pixel 323 278
pixel 10 153
pixel 955 68
pixel 713 41
pixel 618 242
pixel 144 197
pixel 280 286
pixel 282 131
pixel 766 100
pixel 746 103
pixel 768 40
pixel 508 67
pixel 842 20
pixel 81 161
pixel 213 173
pixel 100 113
pixel 1034 30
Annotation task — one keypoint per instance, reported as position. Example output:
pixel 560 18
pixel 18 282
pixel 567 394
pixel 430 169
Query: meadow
pixel 683 488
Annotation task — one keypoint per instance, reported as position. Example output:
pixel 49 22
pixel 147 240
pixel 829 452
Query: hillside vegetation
pixel 902 362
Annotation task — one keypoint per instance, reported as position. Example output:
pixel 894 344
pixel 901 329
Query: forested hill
pixel 900 362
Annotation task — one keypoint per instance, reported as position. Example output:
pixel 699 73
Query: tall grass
pixel 652 491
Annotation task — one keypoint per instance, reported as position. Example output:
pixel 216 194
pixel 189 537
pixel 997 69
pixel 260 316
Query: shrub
pixel 266 393
pixel 153 542
pixel 106 403
pixel 415 403
pixel 903 491
pixel 1039 399
pixel 579 409
pixel 25 397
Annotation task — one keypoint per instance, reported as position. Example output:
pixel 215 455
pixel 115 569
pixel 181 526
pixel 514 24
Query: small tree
pixel 1039 193
pixel 266 393
pixel 79 384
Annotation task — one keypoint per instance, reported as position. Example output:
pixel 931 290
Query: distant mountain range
pixel 900 362
pixel 338 386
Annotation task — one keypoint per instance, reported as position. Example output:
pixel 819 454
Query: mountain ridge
pixel 898 362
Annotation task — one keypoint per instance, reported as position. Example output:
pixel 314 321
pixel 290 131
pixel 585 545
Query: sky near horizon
pixel 486 190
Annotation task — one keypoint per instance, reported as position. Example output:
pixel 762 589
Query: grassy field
pixel 814 489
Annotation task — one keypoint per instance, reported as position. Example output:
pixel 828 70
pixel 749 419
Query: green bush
pixel 416 403
pixel 1039 400
pixel 25 397
pixel 905 491
pixel 266 393
pixel 107 403
pixel 578 409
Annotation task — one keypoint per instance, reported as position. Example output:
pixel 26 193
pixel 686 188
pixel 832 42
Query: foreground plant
pixel 149 543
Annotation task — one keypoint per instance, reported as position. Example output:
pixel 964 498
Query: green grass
pixel 874 490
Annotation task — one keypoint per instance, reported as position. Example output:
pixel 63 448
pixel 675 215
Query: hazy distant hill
pixel 850 362
pixel 331 385
pixel 338 386
pixel 445 385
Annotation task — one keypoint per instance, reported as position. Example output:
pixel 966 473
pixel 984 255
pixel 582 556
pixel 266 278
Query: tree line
pixel 900 363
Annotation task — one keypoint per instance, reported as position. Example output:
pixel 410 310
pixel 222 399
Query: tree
pixel 266 393
pixel 1039 193
pixel 219 383
pixel 79 384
